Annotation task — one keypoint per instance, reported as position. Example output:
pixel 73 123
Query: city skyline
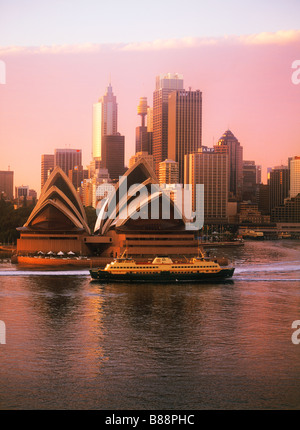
pixel 245 78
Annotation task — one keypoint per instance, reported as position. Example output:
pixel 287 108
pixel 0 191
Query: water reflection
pixel 56 298
pixel 72 343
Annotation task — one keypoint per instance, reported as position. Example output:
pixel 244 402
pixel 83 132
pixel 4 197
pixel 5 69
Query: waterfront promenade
pixel 92 261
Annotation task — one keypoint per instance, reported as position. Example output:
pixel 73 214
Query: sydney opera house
pixel 136 217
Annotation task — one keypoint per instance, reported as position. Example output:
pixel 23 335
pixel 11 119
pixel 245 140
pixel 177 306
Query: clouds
pixel 277 38
pixel 265 38
pixel 47 100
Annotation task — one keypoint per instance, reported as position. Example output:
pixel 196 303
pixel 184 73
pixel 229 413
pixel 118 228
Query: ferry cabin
pixel 123 266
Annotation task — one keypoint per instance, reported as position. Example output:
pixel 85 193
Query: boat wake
pixel 293 266
pixel 285 271
pixel 44 273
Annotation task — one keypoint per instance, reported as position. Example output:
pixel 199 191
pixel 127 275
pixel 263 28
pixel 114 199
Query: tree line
pixel 11 218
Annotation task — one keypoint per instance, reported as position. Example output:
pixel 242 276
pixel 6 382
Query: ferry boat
pixel 255 235
pixel 162 270
pixel 284 235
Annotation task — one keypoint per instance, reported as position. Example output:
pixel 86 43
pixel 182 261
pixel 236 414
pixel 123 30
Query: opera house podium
pixel 126 220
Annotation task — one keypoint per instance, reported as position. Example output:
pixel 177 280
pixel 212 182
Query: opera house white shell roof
pixel 59 207
pixel 129 207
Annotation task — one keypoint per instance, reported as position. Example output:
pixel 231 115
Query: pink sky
pixel 246 83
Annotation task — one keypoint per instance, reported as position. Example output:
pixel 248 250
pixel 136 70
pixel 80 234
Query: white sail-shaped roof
pixel 135 196
pixel 59 194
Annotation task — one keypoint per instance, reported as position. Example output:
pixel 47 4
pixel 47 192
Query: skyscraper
pixel 168 172
pixel 258 174
pixel 67 159
pixel 210 168
pixel 249 181
pixel 7 183
pixel 229 144
pixel 47 166
pixel 279 185
pixel 184 125
pixel 165 84
pixel 150 129
pixel 263 198
pixel 294 176
pixel 105 119
pixel 113 155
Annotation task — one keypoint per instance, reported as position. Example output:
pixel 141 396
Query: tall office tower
pixel 210 168
pixel 184 126
pixel 86 192
pixel 150 129
pixel 258 174
pixel 150 119
pixel 105 119
pixel 294 176
pixel 7 183
pixel 141 132
pixel 279 185
pixel 67 159
pixel 168 172
pixel 77 175
pixel 47 165
pixel 249 181
pixel 263 198
pixel 165 84
pixel 229 144
pixel 113 155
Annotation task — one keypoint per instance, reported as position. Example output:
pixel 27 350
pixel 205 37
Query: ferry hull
pixel 162 277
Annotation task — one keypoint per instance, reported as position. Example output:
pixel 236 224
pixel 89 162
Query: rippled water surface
pixel 75 344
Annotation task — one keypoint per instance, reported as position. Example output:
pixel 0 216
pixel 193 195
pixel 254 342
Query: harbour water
pixel 75 344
